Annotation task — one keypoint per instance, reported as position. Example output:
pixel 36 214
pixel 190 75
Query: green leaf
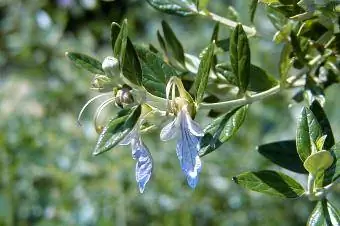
pixel 222 129
pixel 285 62
pixel 284 154
pixel 308 131
pixel 240 57
pixel 173 43
pixel 156 72
pixel 115 29
pixel 271 183
pixel 117 129
pixel 252 9
pixel 85 62
pixel 322 119
pixel 324 214
pixel 201 79
pixel 260 80
pixel 162 42
pixel 318 162
pixel 131 68
pixel 214 38
pixel 176 7
pixel 120 44
pixel 333 172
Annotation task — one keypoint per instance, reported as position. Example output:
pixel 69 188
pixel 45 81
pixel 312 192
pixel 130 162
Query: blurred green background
pixel 48 174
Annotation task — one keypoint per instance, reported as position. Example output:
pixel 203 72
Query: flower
pixel 188 143
pixel 140 153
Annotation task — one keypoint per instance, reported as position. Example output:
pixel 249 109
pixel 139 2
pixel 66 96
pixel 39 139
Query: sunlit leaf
pixel 120 43
pixel 115 29
pixel 271 183
pixel 324 214
pixel 117 129
pixel 176 7
pixel 240 57
pixel 222 129
pixel 173 43
pixel 201 79
pixel 85 62
pixel 308 131
pixel 252 9
pixel 156 72
pixel 131 66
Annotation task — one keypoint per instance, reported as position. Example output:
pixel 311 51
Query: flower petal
pixel 193 126
pixel 144 163
pixel 169 131
pixel 187 153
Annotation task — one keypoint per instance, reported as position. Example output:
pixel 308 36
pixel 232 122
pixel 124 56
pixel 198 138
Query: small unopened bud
pixel 101 83
pixel 124 97
pixel 110 66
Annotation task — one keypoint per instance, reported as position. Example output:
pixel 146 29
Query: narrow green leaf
pixel 308 131
pixel 271 183
pixel 117 129
pixel 156 72
pixel 85 62
pixel 333 172
pixel 252 9
pixel 202 77
pixel 222 129
pixel 324 214
pixel 115 29
pixel 240 57
pixel 131 68
pixel 120 44
pixel 285 62
pixel 162 42
pixel 322 119
pixel 176 7
pixel 173 43
pixel 214 38
pixel 284 154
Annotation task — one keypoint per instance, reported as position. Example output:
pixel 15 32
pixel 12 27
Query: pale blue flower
pixel 189 135
pixel 140 153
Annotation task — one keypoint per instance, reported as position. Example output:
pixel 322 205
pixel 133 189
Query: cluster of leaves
pixel 313 152
pixel 310 34
pixel 309 57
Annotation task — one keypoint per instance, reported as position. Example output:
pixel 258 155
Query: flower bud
pixel 101 83
pixel 124 97
pixel 110 66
